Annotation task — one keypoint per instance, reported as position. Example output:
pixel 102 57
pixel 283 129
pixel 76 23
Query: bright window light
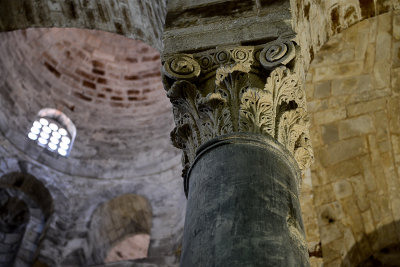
pixel 64 146
pixel 53 126
pixel 51 132
pixel 56 135
pixel 37 124
pixel 46 129
pixel 44 135
pixel 32 136
pixel 35 130
pixel 42 141
pixel 52 146
pixel 62 131
pixel 54 140
pixel 62 152
pixel 44 121
pixel 66 140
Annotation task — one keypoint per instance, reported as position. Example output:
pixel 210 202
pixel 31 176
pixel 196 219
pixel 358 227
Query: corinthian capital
pixel 238 89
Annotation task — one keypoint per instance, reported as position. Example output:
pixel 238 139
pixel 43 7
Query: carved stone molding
pixel 238 89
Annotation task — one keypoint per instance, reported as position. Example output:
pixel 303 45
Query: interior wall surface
pixel 136 19
pixel 353 101
pixel 66 242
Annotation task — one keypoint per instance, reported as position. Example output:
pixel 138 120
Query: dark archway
pixel 25 208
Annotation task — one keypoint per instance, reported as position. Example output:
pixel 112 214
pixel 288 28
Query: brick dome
pixel 108 85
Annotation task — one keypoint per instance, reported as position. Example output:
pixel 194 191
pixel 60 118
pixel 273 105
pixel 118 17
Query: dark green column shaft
pixel 243 207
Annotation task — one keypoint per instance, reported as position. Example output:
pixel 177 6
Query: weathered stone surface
pixel 329 115
pixel 356 126
pixel 238 89
pixel 141 20
pixel 342 189
pixel 229 198
pixel 366 107
pixel 322 90
pixel 365 184
pixel 189 23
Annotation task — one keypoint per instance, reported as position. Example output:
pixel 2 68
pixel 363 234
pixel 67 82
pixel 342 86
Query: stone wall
pixel 66 242
pixel 136 19
pixel 316 21
pixel 198 25
pixel 14 216
pixel 353 100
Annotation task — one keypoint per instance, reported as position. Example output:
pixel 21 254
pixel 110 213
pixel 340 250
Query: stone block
pixel 345 86
pixel 330 232
pixel 396 148
pixel 395 56
pixel 396 26
pixel 396 80
pixel 362 44
pixel 353 217
pixel 338 101
pixel 309 87
pixel 396 209
pixel 344 169
pixel 360 191
pixel 330 133
pixel 381 74
pixel 329 115
pixel 323 194
pixel 343 150
pixel 317 105
pixel 333 251
pixel 394 113
pixel 366 107
pixel 368 222
pixel 383 46
pixel 356 127
pixel 329 57
pixel 329 213
pixel 338 71
pixel 369 58
pixel 349 239
pixel 334 263
pixel 322 89
pixel 342 189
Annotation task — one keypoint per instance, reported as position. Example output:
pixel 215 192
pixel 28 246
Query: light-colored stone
pixel 339 71
pixel 396 27
pixel 342 189
pixel 322 90
pixel 356 127
pixel 396 80
pixel 381 74
pixel 329 233
pixel 368 222
pixel 343 150
pixel 345 86
pixel 329 115
pixel 366 107
pixel 330 133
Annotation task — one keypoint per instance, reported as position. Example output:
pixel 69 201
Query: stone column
pixel 242 125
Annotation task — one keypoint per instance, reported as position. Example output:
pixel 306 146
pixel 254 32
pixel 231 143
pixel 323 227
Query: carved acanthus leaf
pixel 238 89
pixel 256 112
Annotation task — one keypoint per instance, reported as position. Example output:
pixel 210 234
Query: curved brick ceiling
pixel 110 87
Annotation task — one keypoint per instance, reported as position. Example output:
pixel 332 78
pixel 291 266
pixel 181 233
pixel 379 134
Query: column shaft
pixel 243 207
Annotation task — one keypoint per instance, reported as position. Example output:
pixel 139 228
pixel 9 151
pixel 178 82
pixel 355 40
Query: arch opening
pixel 120 229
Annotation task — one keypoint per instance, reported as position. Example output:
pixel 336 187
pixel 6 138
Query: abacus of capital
pixel 241 122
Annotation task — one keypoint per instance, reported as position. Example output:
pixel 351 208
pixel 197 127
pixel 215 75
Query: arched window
pixel 54 131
